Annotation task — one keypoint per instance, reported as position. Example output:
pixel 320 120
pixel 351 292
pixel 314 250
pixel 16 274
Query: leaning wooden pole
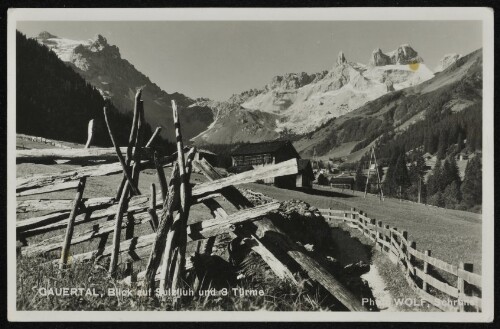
pixel 169 206
pixel 125 167
pixel 76 204
pixel 132 138
pixel 180 261
pixel 71 223
pixel 124 198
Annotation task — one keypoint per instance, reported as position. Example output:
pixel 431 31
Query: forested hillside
pixel 53 101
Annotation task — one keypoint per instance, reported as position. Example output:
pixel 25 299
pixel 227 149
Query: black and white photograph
pixel 250 164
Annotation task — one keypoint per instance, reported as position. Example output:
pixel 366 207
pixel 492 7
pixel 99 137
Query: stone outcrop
pixel 403 55
pixel 446 61
pixel 341 58
pixel 379 58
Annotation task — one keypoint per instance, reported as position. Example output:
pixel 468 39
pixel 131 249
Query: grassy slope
pixel 451 235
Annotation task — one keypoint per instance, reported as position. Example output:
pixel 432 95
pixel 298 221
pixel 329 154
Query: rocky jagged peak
pixel 98 43
pixel 446 61
pixel 378 58
pixel 44 35
pixel 403 55
pixel 341 58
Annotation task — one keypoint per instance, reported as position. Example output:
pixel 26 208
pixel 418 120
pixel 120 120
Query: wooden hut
pixel 248 156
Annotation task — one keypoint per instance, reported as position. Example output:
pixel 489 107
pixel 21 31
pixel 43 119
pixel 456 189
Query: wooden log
pixel 32 205
pixel 153 137
pixel 288 167
pixel 122 207
pixel 133 130
pixel 41 180
pixel 71 224
pixel 196 231
pixel 231 193
pixel 97 230
pixel 313 269
pixel 54 221
pixel 266 230
pixel 152 206
pixel 127 174
pixel 41 221
pixel 38 155
pixel 161 177
pixel 170 205
pixel 90 133
pixel 177 235
pixel 49 188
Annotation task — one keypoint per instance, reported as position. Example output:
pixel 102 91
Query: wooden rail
pixel 399 249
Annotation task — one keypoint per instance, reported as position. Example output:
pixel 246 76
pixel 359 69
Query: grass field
pixel 451 235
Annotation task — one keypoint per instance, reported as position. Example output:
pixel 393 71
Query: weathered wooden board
pixel 196 231
pixel 36 155
pixel 50 188
pixel 60 204
pixel 289 167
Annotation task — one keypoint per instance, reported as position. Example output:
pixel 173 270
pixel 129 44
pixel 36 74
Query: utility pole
pixel 419 187
pixel 375 167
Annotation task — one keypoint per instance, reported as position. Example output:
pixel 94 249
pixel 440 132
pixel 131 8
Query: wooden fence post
pixel 462 285
pixel 387 238
pixel 152 208
pixel 379 235
pixel 71 223
pixel 402 246
pixel 353 215
pixel 360 220
pixel 372 232
pixel 426 270
pixel 409 257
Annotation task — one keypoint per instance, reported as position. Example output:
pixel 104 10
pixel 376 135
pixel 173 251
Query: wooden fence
pixel 418 267
pixel 167 212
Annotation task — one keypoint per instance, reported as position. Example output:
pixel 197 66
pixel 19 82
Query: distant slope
pixel 53 101
pixel 457 88
pixel 101 65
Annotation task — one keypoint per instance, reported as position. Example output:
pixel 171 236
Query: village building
pixel 249 156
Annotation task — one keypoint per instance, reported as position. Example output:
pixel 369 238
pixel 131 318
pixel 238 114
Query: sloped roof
pixel 260 148
pixel 305 167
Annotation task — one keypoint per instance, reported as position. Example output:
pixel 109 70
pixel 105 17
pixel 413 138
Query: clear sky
pixel 217 59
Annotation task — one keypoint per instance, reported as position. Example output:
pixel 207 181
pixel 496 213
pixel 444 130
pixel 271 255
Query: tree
pixel 452 195
pixel 360 179
pixel 401 176
pixel 472 185
pixel 442 145
pixel 433 179
pixel 460 142
pixel 449 173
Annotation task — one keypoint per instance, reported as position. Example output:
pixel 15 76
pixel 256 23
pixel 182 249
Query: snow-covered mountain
pixel 101 65
pixel 301 102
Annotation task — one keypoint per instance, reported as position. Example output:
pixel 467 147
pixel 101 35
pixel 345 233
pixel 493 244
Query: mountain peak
pixel 98 43
pixel 403 55
pixel 341 58
pixel 45 35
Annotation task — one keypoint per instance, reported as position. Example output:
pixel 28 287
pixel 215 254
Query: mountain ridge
pixel 101 64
